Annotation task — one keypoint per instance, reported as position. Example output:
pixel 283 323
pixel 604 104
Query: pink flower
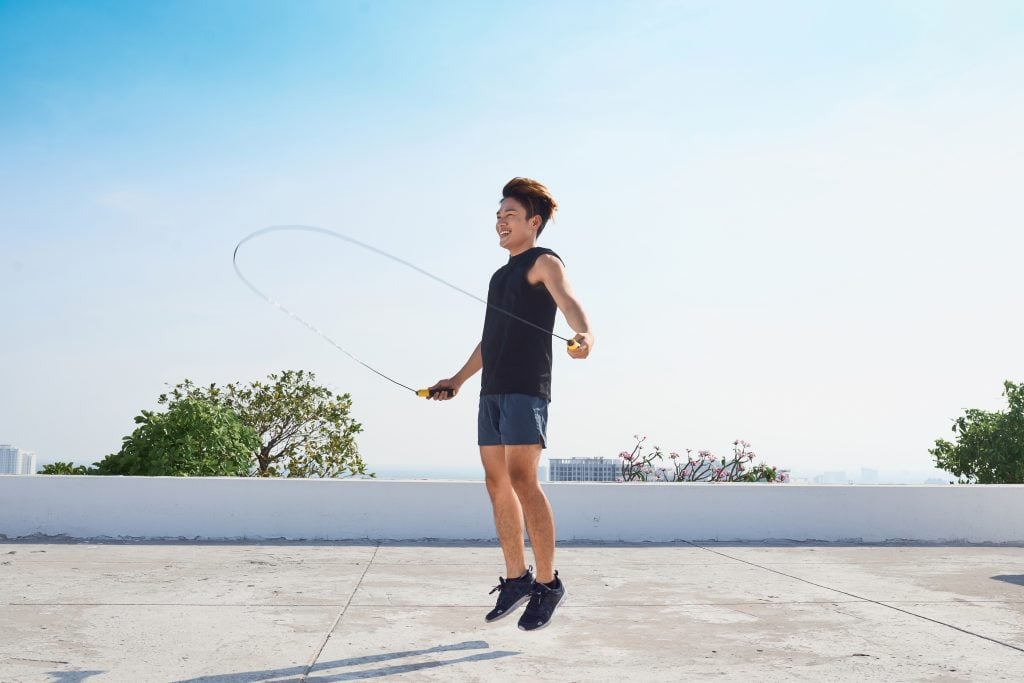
pixel 673 455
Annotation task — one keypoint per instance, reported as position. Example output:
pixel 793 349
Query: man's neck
pixel 516 251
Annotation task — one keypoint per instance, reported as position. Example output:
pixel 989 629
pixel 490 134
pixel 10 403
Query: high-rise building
pixel 10 459
pixel 584 469
pixel 868 476
pixel 16 461
pixel 28 462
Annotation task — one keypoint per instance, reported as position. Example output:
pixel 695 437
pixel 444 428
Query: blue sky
pixel 795 223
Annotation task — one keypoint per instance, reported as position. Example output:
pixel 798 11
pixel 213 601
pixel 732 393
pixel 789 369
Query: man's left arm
pixel 549 271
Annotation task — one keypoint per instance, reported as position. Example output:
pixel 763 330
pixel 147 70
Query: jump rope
pixel 424 393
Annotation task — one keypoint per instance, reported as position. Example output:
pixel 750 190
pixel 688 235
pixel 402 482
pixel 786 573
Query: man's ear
pixel 535 222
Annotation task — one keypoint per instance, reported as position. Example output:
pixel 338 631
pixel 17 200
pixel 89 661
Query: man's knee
pixel 522 469
pixel 498 483
pixel 524 482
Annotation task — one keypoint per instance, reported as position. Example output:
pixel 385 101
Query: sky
pixel 794 223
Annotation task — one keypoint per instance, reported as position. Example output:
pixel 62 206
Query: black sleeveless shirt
pixel 517 357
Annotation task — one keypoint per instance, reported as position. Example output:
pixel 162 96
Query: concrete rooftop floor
pixel 214 613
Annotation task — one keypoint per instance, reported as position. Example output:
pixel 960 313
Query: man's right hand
pixel 445 389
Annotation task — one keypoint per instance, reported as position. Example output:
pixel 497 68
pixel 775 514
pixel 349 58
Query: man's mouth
pixel 504 233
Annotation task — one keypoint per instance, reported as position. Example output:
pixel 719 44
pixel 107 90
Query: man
pixel 515 389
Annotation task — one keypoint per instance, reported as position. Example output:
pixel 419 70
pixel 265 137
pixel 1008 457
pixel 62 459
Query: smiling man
pixel 515 390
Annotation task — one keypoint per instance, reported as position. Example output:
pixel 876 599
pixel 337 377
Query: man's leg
pixel 540 523
pixel 508 514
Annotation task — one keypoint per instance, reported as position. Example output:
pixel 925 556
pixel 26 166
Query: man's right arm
pixel 455 382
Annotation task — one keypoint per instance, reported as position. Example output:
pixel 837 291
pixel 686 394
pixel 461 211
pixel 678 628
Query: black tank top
pixel 517 357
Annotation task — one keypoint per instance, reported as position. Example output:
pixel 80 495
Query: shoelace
pixel 502 581
pixel 536 598
pixel 537 594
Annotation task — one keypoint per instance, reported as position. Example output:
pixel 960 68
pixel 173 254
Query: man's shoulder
pixel 548 258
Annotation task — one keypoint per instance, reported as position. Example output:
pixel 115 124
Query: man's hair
pixel 534 197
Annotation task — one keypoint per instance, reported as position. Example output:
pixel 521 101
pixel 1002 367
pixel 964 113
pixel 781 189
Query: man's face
pixel 514 230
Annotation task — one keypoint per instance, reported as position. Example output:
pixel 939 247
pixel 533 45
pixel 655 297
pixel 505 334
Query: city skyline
pixel 473 472
pixel 14 460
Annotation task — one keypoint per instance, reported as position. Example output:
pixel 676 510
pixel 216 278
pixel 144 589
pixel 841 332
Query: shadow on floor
pixel 1010 578
pixel 71 676
pixel 323 672
pixel 404 668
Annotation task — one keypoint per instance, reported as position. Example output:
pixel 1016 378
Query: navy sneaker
pixel 543 602
pixel 514 592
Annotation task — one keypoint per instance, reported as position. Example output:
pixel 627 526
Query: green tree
pixel 194 438
pixel 64 468
pixel 304 430
pixel 989 447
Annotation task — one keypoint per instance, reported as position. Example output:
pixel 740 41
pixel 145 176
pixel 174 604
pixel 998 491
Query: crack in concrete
pixel 323 643
pixel 889 605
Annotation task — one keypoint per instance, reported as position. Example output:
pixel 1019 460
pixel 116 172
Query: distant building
pixel 935 480
pixel 868 476
pixel 584 469
pixel 838 477
pixel 10 459
pixel 16 461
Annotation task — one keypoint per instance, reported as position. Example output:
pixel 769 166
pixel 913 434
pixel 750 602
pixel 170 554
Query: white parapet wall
pixel 95 507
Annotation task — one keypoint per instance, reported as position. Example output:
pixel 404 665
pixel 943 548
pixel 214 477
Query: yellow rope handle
pixel 427 393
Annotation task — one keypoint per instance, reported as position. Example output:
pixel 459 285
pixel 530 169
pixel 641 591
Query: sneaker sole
pixel 515 605
pixel 543 626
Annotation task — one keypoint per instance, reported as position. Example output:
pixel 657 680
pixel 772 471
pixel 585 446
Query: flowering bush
pixel 640 466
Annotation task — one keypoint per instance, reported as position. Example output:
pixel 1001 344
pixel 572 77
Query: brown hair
pixel 534 197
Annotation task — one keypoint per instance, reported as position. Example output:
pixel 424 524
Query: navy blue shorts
pixel 512 420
